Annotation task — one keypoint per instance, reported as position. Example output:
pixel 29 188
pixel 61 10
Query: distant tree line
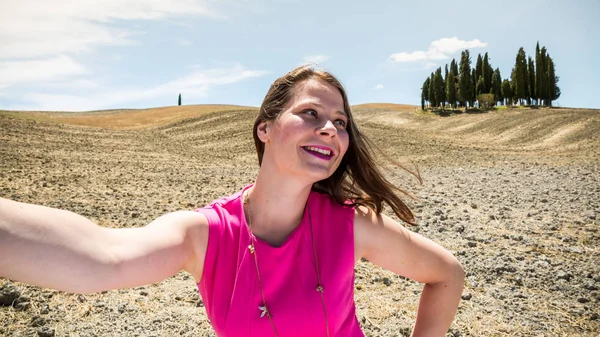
pixel 531 83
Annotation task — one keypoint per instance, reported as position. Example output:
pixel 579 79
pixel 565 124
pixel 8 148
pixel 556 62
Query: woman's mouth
pixel 319 152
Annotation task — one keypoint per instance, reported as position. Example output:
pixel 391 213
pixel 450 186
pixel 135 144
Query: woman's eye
pixel 311 112
pixel 341 123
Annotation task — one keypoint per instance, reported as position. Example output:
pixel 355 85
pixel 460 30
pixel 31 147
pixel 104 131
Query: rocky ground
pixel 515 194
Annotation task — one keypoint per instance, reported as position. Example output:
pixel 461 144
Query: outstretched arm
pixel 389 245
pixel 62 250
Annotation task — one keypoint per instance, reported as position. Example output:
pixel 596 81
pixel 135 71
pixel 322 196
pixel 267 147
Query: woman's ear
pixel 262 131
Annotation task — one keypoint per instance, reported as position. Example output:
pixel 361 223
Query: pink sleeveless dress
pixel 230 288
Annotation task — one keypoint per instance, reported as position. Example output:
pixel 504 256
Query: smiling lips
pixel 319 152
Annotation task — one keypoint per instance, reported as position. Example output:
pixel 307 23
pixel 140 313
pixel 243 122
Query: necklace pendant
pixel 264 311
pixel 320 288
pixel 251 248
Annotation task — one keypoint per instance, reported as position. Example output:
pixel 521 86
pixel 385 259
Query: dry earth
pixel 515 194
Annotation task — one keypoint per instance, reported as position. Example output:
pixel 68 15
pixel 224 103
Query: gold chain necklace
pixel 264 310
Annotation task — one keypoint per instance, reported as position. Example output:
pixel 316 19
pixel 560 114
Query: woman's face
pixel 309 138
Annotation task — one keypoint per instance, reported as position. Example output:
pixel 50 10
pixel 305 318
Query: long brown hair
pixel 358 178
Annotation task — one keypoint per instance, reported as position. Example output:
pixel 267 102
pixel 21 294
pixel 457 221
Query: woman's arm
pixel 62 250
pixel 387 244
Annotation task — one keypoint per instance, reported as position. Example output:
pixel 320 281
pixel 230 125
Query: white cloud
pixel 438 50
pixel 195 85
pixel 315 59
pixel 184 42
pixel 36 71
pixel 40 28
pixel 379 86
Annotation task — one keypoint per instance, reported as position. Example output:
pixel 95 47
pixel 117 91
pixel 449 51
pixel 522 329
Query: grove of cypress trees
pixel 531 81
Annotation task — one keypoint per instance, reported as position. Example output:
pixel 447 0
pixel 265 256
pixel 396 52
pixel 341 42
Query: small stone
pixel 37 321
pixel 562 275
pixel 466 296
pixel 8 294
pixel 583 300
pixel 474 206
pixel 44 309
pixel 387 281
pixel 143 293
pixel 45 332
pixel 80 298
pixel 594 317
pixel 589 286
pixel 22 306
pixel 472 244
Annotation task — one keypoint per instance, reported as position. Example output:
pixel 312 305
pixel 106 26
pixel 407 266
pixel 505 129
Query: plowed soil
pixel 515 194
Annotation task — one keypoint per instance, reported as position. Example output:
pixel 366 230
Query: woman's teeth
pixel 316 149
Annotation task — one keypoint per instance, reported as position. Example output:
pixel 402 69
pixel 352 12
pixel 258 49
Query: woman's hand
pixel 387 244
pixel 62 250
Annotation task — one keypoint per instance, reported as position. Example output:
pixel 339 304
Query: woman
pixel 275 259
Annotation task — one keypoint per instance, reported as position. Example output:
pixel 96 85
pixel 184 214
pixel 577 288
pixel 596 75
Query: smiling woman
pixel 274 259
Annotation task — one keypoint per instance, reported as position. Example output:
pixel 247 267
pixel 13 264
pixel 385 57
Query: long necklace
pixel 252 248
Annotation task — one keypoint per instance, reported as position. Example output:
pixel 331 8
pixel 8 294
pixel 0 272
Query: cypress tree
pixel 444 97
pixel 473 84
pixel 478 69
pixel 507 92
pixel 497 86
pixel 544 77
pixel 553 89
pixel 531 81
pixel 451 89
pixel 431 93
pixel 520 78
pixel 539 74
pixel 425 91
pixel 179 100
pixel 454 68
pixel 465 86
pixel 488 72
pixel 432 101
pixel 479 87
pixel 439 91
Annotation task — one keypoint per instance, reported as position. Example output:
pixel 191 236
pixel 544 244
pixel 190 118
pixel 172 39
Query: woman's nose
pixel 328 129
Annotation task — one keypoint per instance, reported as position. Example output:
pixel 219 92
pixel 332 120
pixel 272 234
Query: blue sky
pixel 89 55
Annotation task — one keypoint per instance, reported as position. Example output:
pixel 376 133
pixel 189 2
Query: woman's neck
pixel 275 206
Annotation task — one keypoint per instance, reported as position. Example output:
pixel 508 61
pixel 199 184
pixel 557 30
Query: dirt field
pixel 515 194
